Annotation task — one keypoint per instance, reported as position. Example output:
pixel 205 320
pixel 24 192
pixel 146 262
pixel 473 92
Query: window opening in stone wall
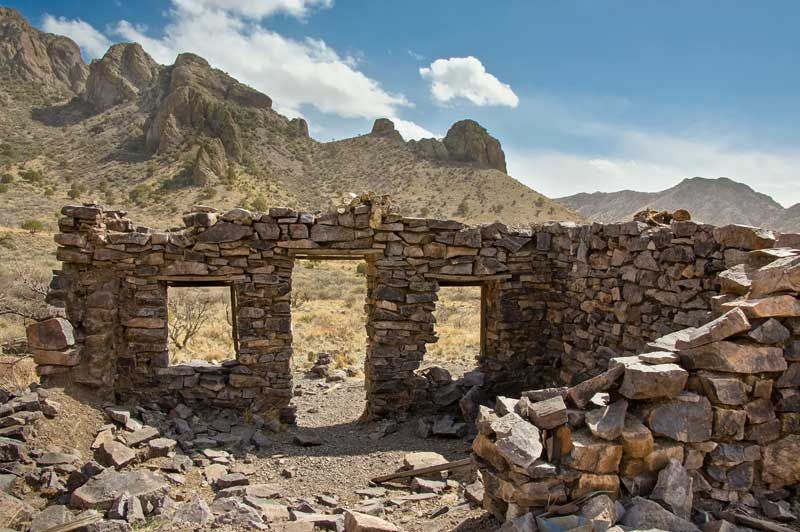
pixel 202 322
pixel 459 326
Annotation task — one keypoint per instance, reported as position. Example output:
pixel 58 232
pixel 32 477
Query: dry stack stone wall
pixel 560 300
pixel 703 416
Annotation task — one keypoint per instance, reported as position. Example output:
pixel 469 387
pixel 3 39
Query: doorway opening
pixel 459 327
pixel 201 323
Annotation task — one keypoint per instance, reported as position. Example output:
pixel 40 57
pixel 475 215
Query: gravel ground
pixel 350 455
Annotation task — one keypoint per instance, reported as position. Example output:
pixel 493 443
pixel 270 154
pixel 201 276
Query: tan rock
pixel 637 440
pixel 644 381
pixel 358 522
pixel 767 307
pixel 734 357
pixel 589 482
pixel 594 455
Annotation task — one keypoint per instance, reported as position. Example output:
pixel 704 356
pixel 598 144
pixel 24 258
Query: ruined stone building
pixel 562 307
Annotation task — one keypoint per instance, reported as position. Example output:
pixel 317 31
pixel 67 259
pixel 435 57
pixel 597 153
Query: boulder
pixel 644 381
pixel 782 275
pixel 102 490
pixel 602 511
pixel 734 357
pixel 51 516
pixel 744 237
pixel 735 280
pixel 770 331
pixel 686 418
pixel 114 453
pixel 225 232
pixel 383 127
pixel 608 422
pixel 194 511
pixel 674 489
pixel 53 334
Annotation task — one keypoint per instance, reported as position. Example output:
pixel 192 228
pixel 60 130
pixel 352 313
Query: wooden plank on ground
pixel 423 470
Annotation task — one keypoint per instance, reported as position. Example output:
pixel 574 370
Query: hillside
pixel 154 139
pixel 715 201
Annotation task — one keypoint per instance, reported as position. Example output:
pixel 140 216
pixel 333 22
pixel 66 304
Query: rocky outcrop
pixel 210 164
pixel 467 140
pixel 31 55
pixel 383 127
pixel 192 98
pixel 119 76
pixel 298 127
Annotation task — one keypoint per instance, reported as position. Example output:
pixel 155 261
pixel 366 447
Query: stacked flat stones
pixel 713 410
pixel 560 300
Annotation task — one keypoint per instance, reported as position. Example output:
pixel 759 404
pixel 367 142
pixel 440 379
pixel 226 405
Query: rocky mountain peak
pixel 123 72
pixel 31 55
pixel 383 127
pixel 467 140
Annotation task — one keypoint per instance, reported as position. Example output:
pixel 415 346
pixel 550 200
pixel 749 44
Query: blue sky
pixel 584 95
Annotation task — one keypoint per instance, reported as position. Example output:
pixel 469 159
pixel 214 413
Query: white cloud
pixel 259 9
pixel 466 77
pixel 92 42
pixel 293 72
pixel 411 130
pixel 650 162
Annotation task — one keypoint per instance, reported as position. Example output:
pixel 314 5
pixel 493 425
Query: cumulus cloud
pixel 259 9
pixel 92 42
pixel 467 78
pixel 650 162
pixel 411 130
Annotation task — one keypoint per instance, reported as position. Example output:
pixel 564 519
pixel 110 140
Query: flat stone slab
pixel 645 381
pixel 734 357
pixel 101 491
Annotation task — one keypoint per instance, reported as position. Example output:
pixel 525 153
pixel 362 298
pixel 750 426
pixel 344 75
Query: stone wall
pixel 710 412
pixel 560 300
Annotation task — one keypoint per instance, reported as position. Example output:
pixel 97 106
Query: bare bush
pixel 23 294
pixel 187 315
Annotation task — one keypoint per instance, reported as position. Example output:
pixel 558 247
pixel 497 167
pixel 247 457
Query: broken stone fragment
pixel 358 522
pixel 674 489
pixel 686 418
pixel 723 389
pixel 608 422
pixel 735 280
pixel 518 442
pixel 547 414
pixel 581 393
pixel 594 455
pixel 782 275
pixel 53 334
pixel 734 357
pixel 729 324
pixel 643 381
pixel 102 490
pixel 769 332
pixel 767 307
pixel 602 511
pixel 645 514
pixel 637 440
pixel 114 453
pixel 781 466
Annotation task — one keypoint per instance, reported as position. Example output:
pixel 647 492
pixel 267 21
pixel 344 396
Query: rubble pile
pixel 705 419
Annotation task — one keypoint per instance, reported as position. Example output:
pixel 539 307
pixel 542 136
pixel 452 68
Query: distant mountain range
pixel 714 201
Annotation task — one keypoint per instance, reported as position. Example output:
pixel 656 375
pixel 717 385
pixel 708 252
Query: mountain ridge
pixel 155 139
pixel 717 201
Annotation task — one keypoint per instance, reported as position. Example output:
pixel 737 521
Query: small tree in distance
pixel 32 226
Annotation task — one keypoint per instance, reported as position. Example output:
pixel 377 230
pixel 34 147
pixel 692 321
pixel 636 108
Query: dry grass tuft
pixel 17 373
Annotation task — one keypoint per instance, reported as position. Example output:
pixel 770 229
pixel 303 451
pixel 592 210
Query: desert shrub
pixel 3 188
pixel 208 193
pixel 6 179
pixel 32 176
pixel 49 192
pixel 32 226
pixel 7 151
pixel 361 268
pixel 76 190
pixel 139 194
pixel 258 203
